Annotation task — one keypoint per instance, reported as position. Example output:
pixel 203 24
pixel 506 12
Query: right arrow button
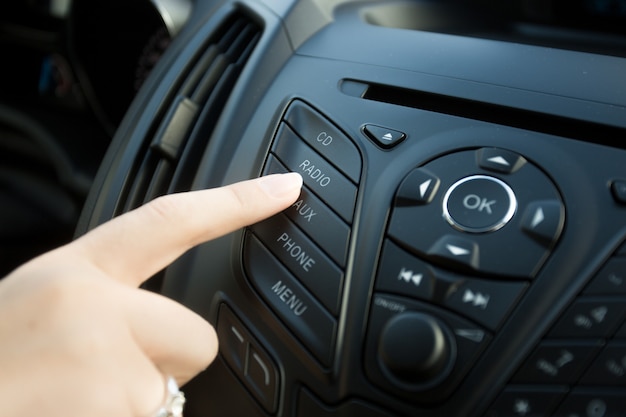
pixel 543 221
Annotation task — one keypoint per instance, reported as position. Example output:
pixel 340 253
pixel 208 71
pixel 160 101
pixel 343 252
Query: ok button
pixel 479 204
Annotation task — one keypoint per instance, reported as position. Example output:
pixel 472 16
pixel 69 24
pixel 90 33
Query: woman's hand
pixel 77 336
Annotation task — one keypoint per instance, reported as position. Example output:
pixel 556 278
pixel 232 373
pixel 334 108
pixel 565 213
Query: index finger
pixel 134 246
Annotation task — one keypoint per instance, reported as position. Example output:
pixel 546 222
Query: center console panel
pixel 457 249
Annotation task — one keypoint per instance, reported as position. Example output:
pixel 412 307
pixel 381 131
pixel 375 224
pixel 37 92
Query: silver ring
pixel 174 400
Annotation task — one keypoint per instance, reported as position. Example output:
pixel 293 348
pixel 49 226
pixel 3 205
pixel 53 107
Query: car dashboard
pixel 459 245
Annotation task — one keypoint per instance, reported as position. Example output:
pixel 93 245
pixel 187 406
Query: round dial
pixel 415 348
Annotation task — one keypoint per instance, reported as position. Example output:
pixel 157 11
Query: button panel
pixel 325 138
pixel 488 198
pixel 316 219
pixel 486 302
pixel 296 259
pixel 450 219
pixel 318 174
pixel 442 276
pixel 584 353
pixel 291 301
pixel 303 258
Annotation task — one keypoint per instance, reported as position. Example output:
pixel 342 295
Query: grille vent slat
pixel 173 153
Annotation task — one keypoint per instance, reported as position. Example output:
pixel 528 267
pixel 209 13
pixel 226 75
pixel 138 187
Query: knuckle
pixel 164 207
pixel 239 198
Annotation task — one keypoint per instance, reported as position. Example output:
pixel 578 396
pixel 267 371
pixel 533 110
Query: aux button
pixel 479 204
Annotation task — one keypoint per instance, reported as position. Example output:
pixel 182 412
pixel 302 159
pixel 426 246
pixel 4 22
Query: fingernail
pixel 280 185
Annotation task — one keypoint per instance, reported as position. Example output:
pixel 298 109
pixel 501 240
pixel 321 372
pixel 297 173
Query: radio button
pixel 316 219
pixel 319 175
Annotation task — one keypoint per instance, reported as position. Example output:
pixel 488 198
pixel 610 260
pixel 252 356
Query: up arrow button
pixel 499 160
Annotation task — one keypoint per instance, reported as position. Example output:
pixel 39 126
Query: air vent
pixel 172 155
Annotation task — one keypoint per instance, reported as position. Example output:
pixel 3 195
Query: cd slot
pixel 488 112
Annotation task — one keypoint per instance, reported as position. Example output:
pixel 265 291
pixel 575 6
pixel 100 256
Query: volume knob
pixel 415 349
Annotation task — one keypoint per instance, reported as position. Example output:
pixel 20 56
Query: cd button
pixel 325 138
pixel 318 174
